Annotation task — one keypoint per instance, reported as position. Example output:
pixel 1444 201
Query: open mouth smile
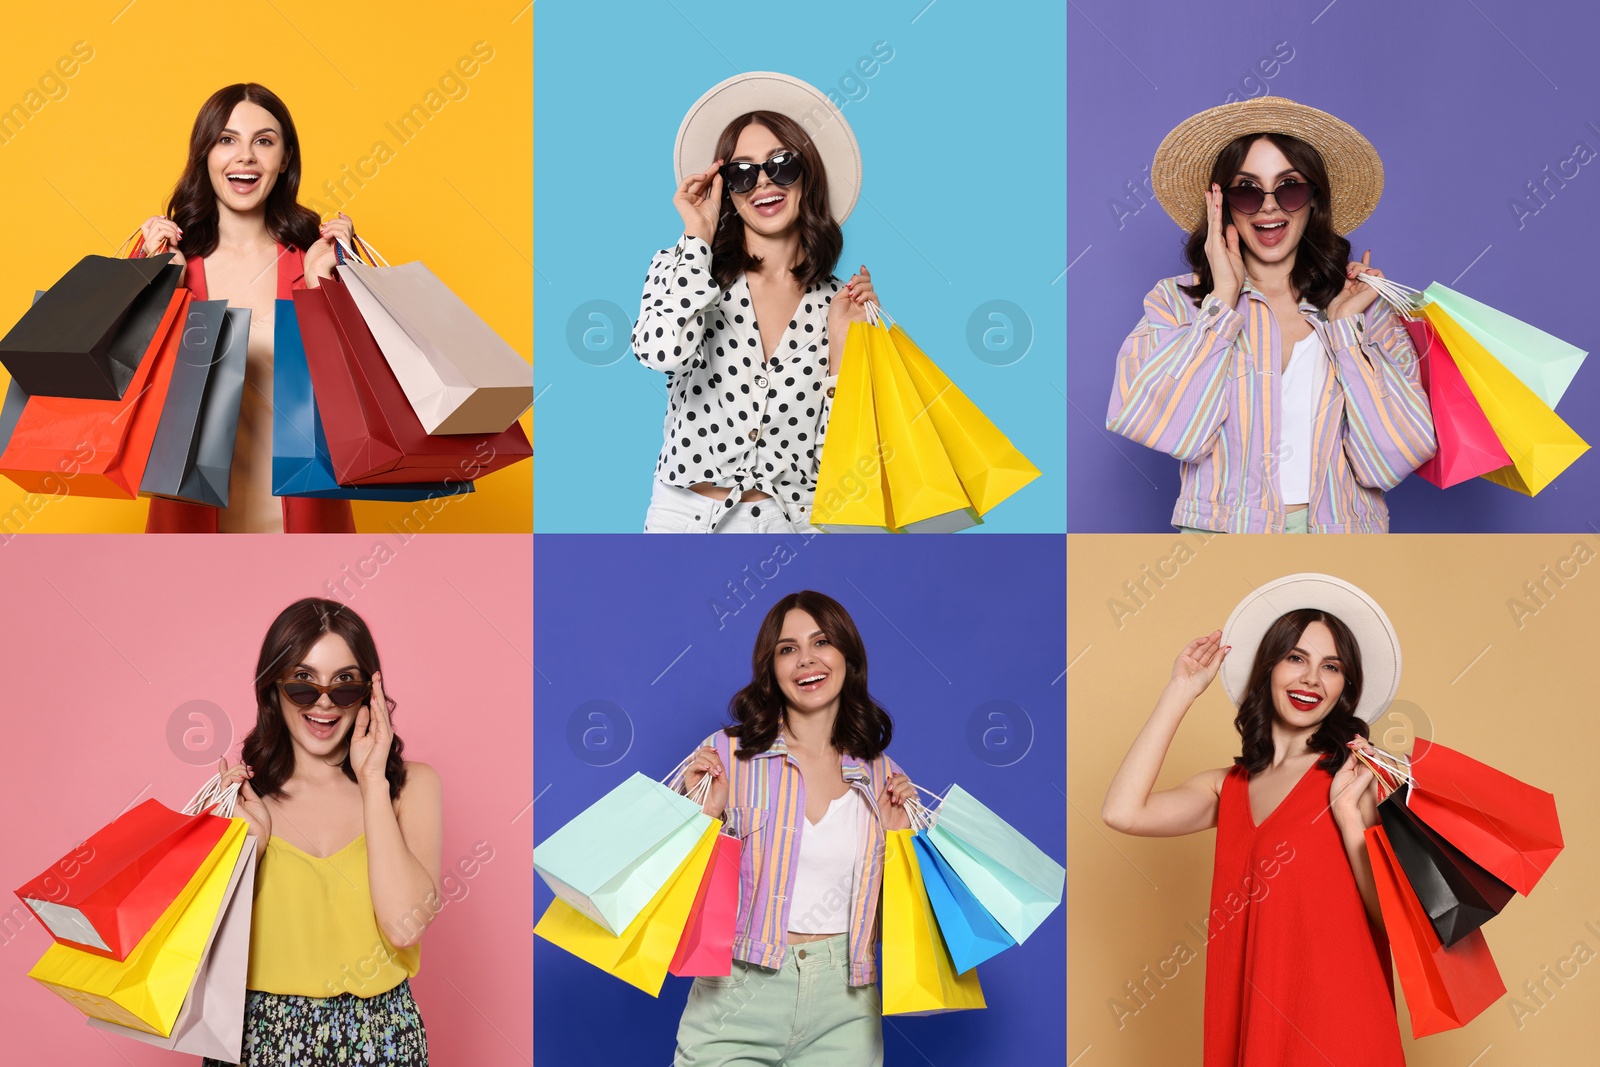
pixel 321 727
pixel 243 181
pixel 811 683
pixel 1303 699
pixel 1271 233
pixel 769 205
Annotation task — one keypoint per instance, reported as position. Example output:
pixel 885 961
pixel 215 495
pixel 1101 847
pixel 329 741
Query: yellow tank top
pixel 313 933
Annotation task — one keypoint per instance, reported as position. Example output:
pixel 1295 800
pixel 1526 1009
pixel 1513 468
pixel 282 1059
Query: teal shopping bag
pixel 610 860
pixel 1014 881
pixel 970 933
pixel 1543 363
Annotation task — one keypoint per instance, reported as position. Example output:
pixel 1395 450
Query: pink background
pixel 104 637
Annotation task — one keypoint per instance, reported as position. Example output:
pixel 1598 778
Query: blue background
pixel 950 625
pixel 962 138
pixel 1465 102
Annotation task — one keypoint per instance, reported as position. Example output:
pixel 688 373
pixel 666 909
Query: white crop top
pixel 1301 391
pixel 824 883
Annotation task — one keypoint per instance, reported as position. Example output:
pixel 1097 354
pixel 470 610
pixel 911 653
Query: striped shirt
pixel 767 812
pixel 1203 384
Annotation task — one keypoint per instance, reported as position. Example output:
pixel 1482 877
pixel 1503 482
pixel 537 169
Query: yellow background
pixel 1518 697
pixel 103 155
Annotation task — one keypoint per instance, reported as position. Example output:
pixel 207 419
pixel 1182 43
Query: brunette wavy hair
pixel 193 205
pixel 863 727
pixel 267 747
pixel 1321 258
pixel 820 237
pixel 1254 720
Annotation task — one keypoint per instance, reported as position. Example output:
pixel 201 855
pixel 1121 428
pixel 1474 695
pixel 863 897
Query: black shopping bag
pixel 1458 895
pixel 192 455
pixel 89 333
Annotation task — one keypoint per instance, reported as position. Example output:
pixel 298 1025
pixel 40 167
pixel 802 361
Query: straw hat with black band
pixel 1181 171
pixel 1374 634
pixel 764 90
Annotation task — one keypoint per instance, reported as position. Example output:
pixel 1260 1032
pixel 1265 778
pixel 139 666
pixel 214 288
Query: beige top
pixel 251 506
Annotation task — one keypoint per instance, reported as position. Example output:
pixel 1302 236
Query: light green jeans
pixel 1294 522
pixel 805 1014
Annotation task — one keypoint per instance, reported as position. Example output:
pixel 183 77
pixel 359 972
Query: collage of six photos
pixel 1129 296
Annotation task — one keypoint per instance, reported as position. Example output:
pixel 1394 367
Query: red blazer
pixel 300 514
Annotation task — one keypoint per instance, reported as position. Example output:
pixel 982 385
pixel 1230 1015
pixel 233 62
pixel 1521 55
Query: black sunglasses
pixel 1248 199
pixel 740 177
pixel 342 694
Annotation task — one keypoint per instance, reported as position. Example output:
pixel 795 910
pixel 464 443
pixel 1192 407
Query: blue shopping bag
pixel 612 859
pixel 970 933
pixel 1008 874
pixel 300 462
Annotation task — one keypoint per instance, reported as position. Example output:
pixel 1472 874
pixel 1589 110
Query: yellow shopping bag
pixel 919 978
pixel 147 990
pixel 641 954
pixel 850 494
pixel 988 464
pixel 1539 443
pixel 925 494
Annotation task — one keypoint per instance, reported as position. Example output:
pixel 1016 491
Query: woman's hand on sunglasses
pixel 370 739
pixel 699 201
pixel 1357 295
pixel 1222 251
pixel 250 806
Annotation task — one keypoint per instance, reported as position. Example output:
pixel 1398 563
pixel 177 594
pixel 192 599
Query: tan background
pixel 1514 688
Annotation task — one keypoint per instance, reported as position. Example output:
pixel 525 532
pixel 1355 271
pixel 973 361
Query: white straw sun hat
pixel 1180 175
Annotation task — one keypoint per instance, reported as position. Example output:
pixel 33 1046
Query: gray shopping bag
pixel 191 457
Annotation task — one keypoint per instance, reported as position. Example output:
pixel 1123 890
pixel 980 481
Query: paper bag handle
pixel 1404 299
pixel 214 795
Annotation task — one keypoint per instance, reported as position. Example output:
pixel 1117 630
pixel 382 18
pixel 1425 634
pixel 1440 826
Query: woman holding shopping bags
pixel 1297 963
pixel 803 778
pixel 350 837
pixel 1290 395
pixel 744 315
pixel 235 224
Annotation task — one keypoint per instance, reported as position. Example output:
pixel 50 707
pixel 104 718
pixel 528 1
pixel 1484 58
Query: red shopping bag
pixel 106 894
pixel 1445 988
pixel 1468 445
pixel 1506 826
pixel 374 436
pixel 706 947
pixel 97 448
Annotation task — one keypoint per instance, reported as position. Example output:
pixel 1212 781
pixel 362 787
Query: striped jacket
pixel 1202 384
pixel 767 812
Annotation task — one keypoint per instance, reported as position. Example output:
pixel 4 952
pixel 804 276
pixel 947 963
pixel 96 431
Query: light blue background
pixel 963 149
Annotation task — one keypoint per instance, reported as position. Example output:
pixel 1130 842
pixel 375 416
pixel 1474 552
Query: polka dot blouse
pixel 734 418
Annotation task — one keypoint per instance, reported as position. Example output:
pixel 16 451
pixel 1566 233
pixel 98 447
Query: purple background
pixel 954 627
pixel 1466 102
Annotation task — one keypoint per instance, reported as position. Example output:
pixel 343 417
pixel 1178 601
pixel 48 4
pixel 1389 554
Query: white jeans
pixel 674 509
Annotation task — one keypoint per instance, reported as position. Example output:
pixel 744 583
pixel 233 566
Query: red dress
pixel 300 514
pixel 1294 975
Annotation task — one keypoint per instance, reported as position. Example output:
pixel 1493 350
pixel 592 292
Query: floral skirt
pixel 287 1031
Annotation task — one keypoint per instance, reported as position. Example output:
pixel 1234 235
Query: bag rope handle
pixel 215 796
pixel 1392 772
pixel 1404 299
